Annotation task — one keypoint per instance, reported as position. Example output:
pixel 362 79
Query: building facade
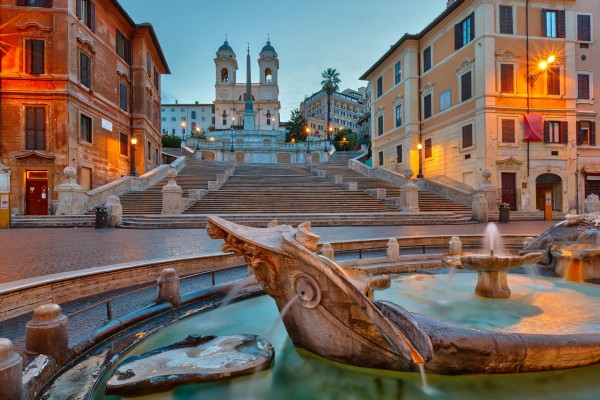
pixel 78 80
pixel 346 109
pixel 230 96
pixel 505 86
pixel 184 120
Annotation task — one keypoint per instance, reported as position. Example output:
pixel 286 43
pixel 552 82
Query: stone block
pixel 114 210
pixel 351 186
pixel 197 194
pixel 321 173
pixel 393 250
pixel 172 201
pixel 378 193
pixel 480 208
pixel 47 333
pixel 214 186
pixel 592 204
pixel 409 198
pixel 338 179
pixel 168 287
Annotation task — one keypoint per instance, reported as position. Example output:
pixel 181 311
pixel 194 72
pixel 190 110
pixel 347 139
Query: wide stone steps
pixel 52 221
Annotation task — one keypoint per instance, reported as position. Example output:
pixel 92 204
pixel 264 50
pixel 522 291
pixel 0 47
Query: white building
pixel 184 120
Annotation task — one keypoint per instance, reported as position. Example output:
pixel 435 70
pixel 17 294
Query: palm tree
pixel 330 83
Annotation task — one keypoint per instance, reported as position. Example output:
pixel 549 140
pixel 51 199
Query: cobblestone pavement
pixel 32 252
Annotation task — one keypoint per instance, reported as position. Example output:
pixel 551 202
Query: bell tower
pixel 225 73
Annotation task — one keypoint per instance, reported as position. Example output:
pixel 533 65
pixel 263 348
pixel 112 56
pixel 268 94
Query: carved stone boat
pixel 332 316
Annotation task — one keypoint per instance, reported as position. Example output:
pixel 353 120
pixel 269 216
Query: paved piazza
pixel 29 253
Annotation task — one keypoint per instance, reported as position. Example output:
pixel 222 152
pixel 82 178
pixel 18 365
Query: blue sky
pixel 308 35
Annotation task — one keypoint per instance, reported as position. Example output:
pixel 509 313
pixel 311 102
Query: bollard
pixel 327 251
pixel 393 250
pixel 168 287
pixel 455 245
pixel 11 372
pixel 47 333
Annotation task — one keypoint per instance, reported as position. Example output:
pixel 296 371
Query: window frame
pixel 553 80
pixel 398 117
pixel 84 136
pixel 448 93
pixel 501 88
pixel 591 133
pixel 85 79
pixel 427 148
pixel 380 125
pixel 559 28
pixel 502 131
pixel 427 115
pixel 590 88
pixel 380 158
pixel 149 63
pixel 461 83
pixel 85 10
pixel 379 86
pixel 427 56
pixel 41 3
pixel 553 128
pixel 123 47
pixel 123 96
pixel 464 32
pixel 123 144
pixel 38 130
pixel 503 24
pixel 399 154
pixel 591 27
pixel 464 129
pixel 33 58
pixel 398 72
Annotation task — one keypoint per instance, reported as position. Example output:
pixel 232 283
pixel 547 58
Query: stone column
pixel 455 246
pixel 71 197
pixel 168 287
pixel 327 251
pixel 47 333
pixel 480 208
pixel 11 371
pixel 592 204
pixel 393 250
pixel 409 194
pixel 114 210
pixel 172 194
pixel 489 191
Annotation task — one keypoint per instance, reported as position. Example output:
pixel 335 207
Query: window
pixel 35 3
pixel 428 149
pixel 123 96
pixel 268 121
pixel 149 150
pixel 427 59
pixel 508 131
pixel 379 86
pixel 124 144
pixel 86 12
pixel 268 75
pixel 213 120
pixel 156 158
pixel 156 79
pixel 224 75
pixel 398 72
pixel 445 99
pixel 148 108
pixel 123 47
pixel 399 154
pixel 464 31
pixel 398 115
pixel 35 128
pixel 193 114
pixel 380 125
pixel 583 86
pixel 380 156
pixel 173 119
pixel 427 106
pixel 507 78
pixel 553 23
pixel 586 133
pixel 465 86
pixel 506 20
pixel 584 27
pixel 85 70
pixel 553 80
pixel 555 132
pixel 467 136
pixel 149 64
pixel 34 50
pixel 85 128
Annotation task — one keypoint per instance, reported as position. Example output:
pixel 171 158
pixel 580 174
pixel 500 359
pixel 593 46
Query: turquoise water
pixel 296 374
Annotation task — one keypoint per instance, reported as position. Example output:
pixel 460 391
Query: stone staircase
pixel 52 221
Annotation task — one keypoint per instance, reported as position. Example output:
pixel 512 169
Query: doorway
pixel 36 193
pixel 509 189
pixel 548 183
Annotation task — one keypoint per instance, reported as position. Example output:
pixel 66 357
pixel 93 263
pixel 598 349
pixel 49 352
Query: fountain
pixel 492 267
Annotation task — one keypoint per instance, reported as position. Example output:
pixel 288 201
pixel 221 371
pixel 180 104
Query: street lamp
pixel 197 132
pixel 308 139
pixel 420 147
pixel 232 123
pixel 133 143
pixel 273 123
pixel 183 125
pixel 542 66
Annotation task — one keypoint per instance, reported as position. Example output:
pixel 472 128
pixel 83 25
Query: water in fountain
pixel 492 240
pixel 282 314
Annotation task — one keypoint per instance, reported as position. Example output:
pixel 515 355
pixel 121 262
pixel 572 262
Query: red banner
pixel 534 128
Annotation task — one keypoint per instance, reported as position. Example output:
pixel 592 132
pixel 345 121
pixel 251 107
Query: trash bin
pixel 101 217
pixel 504 215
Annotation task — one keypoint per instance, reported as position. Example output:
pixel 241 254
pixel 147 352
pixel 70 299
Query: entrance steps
pixel 52 221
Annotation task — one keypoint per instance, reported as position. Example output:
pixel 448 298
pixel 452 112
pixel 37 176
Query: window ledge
pixel 585 101
pixel 86 143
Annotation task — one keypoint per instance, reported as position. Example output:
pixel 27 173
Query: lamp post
pixel 329 134
pixel 273 123
pixel 197 132
pixel 133 143
pixel 542 66
pixel 420 147
pixel 308 139
pixel 183 125
pixel 232 123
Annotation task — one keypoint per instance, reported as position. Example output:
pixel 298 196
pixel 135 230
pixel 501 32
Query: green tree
pixel 171 141
pixel 330 84
pixel 296 128
pixel 345 140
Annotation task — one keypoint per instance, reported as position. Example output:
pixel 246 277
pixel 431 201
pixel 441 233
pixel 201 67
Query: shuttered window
pixel 380 156
pixel 148 64
pixel 35 128
pixel 123 47
pixel 124 144
pixel 583 86
pixel 467 136
pixel 123 96
pixel 553 23
pixel 465 87
pixel 464 31
pixel 586 133
pixel 399 154
pixel 507 78
pixel 85 70
pixel 584 27
pixel 555 132
pixel 508 131
pixel 34 55
pixel 380 125
pixel 428 149
pixel 553 80
pixel 427 59
pixel 85 128
pixel 379 86
pixel 398 115
pixel 506 20
pixel 86 12
pixel 427 106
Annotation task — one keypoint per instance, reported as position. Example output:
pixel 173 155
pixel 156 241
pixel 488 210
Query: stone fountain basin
pixel 583 251
pixel 507 261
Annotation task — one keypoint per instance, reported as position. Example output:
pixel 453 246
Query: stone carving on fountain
pixel 334 317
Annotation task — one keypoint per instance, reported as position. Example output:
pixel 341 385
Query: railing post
pixel 168 287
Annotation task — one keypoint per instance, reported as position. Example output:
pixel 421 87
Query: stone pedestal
pixel 393 250
pixel 489 191
pixel 338 179
pixel 168 287
pixel 492 285
pixel 327 251
pixel 47 333
pixel 114 210
pixel 592 204
pixel 480 208
pixel 172 195
pixel 11 371
pixel 455 247
pixel 321 173
pixel 409 194
pixel 351 186
pixel 71 197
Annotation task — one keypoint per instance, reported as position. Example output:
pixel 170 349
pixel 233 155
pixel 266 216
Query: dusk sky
pixel 309 36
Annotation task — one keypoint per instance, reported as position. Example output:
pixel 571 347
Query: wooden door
pixel 509 189
pixel 36 197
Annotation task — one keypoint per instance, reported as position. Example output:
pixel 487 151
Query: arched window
pixel 224 75
pixel 244 97
pixel 268 75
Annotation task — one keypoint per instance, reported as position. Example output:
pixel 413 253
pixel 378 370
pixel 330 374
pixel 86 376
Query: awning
pixel 534 128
